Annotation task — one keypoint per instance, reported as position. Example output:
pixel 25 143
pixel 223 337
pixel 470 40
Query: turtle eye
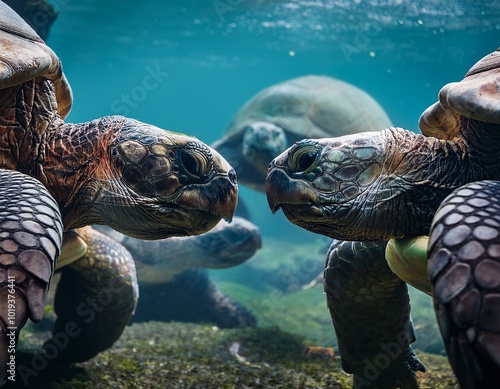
pixel 249 130
pixel 194 163
pixel 303 159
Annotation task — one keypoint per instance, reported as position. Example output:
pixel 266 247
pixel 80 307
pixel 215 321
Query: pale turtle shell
pixel 311 107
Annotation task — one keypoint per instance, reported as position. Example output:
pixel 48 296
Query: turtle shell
pixel 312 107
pixel 477 97
pixel 24 56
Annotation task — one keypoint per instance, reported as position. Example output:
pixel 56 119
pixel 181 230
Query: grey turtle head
pixel 332 186
pixel 262 141
pixel 227 244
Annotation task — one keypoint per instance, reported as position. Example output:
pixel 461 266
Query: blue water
pixel 189 65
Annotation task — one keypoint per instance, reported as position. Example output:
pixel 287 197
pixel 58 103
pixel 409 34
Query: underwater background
pixel 207 58
pixel 210 56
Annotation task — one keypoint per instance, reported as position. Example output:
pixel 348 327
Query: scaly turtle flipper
pixel 464 254
pixel 370 309
pixel 30 240
pixel 95 299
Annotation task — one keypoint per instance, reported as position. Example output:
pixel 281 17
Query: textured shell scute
pixel 24 57
pixel 476 97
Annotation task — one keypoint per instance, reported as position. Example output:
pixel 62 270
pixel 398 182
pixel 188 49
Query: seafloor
pixel 180 355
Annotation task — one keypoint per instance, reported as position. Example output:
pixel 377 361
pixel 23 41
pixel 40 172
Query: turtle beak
pixel 283 190
pixel 225 202
pixel 219 197
pixel 274 186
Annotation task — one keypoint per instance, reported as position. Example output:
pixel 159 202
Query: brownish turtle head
pixel 138 179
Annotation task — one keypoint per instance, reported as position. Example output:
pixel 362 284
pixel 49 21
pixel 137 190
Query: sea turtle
pixel 397 185
pixel 305 107
pixel 172 276
pixel 54 176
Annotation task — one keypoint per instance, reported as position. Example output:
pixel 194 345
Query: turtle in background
pixel 55 176
pixel 173 281
pixel 171 278
pixel 370 188
pixel 305 107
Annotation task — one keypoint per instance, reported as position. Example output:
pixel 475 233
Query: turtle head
pixel 262 141
pixel 152 184
pixel 328 186
pixel 365 186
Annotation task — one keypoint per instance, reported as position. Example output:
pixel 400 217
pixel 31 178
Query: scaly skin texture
pixel 467 281
pixel 27 118
pixel 359 285
pixel 30 241
pixel 374 185
pixel 94 300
